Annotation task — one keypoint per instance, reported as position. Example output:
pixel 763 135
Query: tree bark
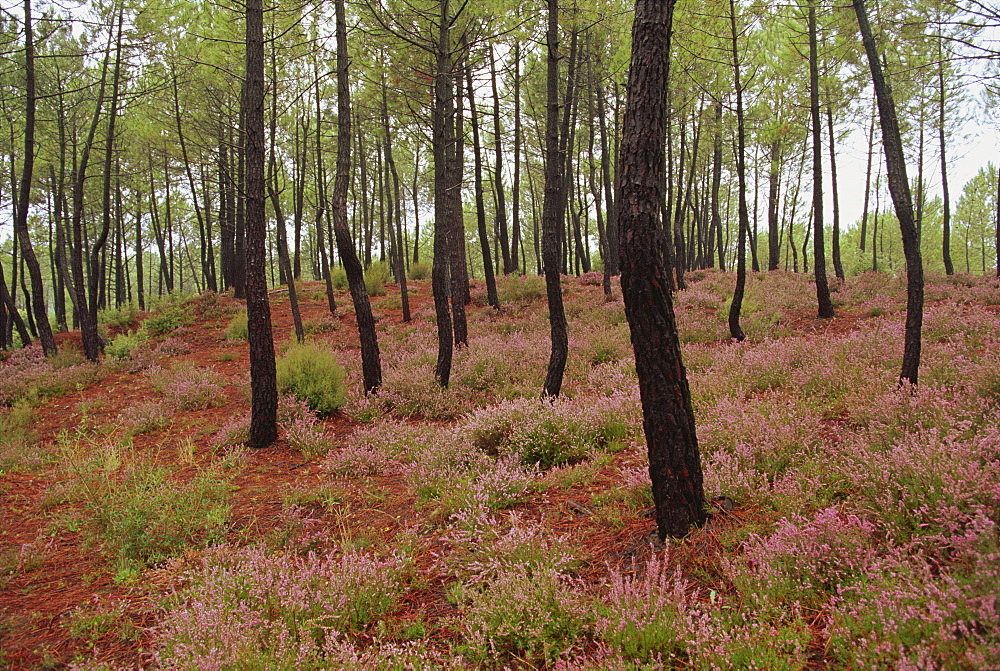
pixel 484 243
pixel 668 417
pixel 552 210
pixel 899 189
pixel 24 193
pixel 825 306
pixel 371 365
pixel 735 331
pixel 263 383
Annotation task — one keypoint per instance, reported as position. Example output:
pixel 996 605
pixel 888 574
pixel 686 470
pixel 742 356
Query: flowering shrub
pixel 548 432
pixel 280 611
pixel 806 560
pixel 187 387
pixel 145 417
pixel 642 614
pixel 531 615
pixel 371 450
pixel 235 433
pixel 28 376
pixel 173 346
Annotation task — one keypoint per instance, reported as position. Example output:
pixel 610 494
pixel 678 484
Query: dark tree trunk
pixel 949 268
pixel 92 341
pixel 371 365
pixel 717 182
pixel 838 265
pixel 515 189
pixel 324 262
pixel 263 384
pixel 484 243
pixel 509 264
pixel 668 417
pixel 395 234
pixel 552 212
pixel 819 249
pixel 24 194
pixel 868 183
pixel 899 189
pixel 735 331
pixel 773 236
pixel 441 143
pixel 456 225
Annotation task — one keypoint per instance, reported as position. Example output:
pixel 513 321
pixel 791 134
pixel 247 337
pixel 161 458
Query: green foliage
pixel 314 375
pixel 125 345
pixel 520 290
pixel 237 329
pixel 18 449
pixel 376 277
pixel 171 314
pixel 124 318
pixel 338 277
pixel 533 616
pixel 140 513
pixel 420 270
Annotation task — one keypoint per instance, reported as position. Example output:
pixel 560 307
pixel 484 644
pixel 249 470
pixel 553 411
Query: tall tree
pixel 552 214
pixel 735 331
pixel 668 417
pixel 899 189
pixel 819 249
pixel 371 364
pixel 24 192
pixel 263 381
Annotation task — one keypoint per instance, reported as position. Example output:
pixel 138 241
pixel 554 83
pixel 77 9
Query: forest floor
pixel 66 600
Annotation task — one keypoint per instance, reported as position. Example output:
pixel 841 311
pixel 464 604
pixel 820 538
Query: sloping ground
pixel 65 598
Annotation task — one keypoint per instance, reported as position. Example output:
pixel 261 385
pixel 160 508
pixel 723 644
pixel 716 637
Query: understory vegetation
pixel 855 522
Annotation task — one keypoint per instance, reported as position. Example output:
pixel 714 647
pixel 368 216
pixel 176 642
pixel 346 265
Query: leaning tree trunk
pixel 371 364
pixel 899 189
pixel 668 417
pixel 24 194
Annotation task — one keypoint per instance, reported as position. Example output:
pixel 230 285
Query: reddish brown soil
pixel 35 602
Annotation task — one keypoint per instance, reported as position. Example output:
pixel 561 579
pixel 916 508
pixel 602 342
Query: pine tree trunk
pixel 552 211
pixel 263 384
pixel 668 417
pixel 899 189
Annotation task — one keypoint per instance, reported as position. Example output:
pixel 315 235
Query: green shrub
pixel 314 375
pixel 18 443
pixel 123 318
pixel 419 270
pixel 338 276
pixel 237 327
pixel 520 289
pixel 375 278
pixel 124 346
pixel 169 315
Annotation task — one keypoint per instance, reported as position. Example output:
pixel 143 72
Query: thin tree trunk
pixel 825 306
pixel 553 209
pixel 484 243
pixel 899 189
pixel 24 193
pixel 735 331
pixel 371 365
pixel 838 266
